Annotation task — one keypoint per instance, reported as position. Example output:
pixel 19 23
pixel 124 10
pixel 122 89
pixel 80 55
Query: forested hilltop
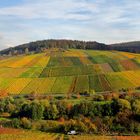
pixel 40 46
pixel 127 46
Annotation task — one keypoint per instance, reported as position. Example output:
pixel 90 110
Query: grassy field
pixel 70 71
pixel 16 134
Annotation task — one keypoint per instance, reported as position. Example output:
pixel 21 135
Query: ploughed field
pixel 72 71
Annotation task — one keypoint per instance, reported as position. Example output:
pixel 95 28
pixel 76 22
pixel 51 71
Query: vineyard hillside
pixel 72 71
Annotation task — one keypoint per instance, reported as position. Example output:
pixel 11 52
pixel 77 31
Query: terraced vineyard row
pixel 70 71
pixel 64 84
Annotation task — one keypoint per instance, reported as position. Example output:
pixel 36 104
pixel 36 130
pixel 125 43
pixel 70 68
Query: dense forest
pixel 39 46
pixel 108 114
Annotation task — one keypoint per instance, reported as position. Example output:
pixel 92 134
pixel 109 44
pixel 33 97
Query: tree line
pixel 40 46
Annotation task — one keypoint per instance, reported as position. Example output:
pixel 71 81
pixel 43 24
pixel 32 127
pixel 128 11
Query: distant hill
pixel 39 46
pixel 127 46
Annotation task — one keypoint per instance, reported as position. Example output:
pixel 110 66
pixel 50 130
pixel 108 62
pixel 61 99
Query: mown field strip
pixel 18 85
pixel 118 81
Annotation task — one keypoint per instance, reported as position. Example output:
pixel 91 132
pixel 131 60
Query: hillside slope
pixel 73 71
pixel 127 46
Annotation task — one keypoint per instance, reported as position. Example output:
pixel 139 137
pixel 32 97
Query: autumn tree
pixel 51 112
pixel 26 51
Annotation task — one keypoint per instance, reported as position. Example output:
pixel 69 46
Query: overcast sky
pixel 106 21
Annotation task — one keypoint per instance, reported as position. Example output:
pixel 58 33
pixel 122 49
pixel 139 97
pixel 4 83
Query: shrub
pixel 36 125
pixel 79 126
pixel 26 123
pixel 37 110
pixel 50 126
pixel 10 108
pixel 118 127
pixel 136 107
pixel 51 112
pixel 123 104
pixel 15 123
pixel 98 98
pixel 137 128
pixel 44 127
